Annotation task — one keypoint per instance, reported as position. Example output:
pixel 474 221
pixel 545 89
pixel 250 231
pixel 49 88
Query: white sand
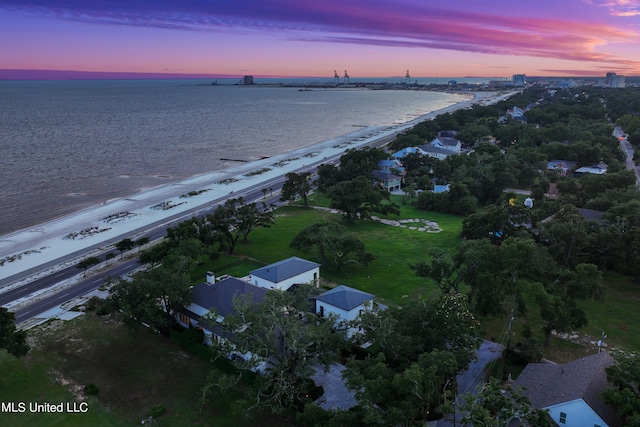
pixel 45 245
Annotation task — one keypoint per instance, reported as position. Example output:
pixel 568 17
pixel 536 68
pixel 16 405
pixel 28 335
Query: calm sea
pixel 72 144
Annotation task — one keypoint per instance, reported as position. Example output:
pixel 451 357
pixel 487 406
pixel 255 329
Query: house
pixel 393 166
pixel 441 188
pixel 286 273
pixel 409 150
pixel 517 114
pixel 571 391
pixel 387 180
pixel 599 169
pixel 447 140
pixel 216 297
pixel 437 152
pixel 344 302
pixel 561 167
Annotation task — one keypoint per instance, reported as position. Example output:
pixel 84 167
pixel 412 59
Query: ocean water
pixel 66 145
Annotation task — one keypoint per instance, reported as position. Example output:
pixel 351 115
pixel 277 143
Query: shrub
pixel 156 411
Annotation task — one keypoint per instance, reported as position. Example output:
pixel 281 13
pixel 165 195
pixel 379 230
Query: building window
pixel 563 418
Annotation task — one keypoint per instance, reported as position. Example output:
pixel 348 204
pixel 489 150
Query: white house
pixel 286 273
pixel 344 302
pixel 599 169
pixel 571 391
pixel 447 140
pixel 437 152
pixel 406 151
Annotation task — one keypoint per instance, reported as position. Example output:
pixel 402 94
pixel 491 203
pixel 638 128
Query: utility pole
pixel 509 336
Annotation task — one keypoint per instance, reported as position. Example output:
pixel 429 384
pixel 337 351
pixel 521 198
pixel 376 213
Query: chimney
pixel 211 278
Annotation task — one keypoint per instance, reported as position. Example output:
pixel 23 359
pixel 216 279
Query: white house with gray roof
pixel 344 302
pixel 286 273
pixel 571 391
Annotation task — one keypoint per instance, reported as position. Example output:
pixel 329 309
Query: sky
pixel 314 38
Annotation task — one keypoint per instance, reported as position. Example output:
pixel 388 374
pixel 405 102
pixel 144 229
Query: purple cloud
pixel 369 22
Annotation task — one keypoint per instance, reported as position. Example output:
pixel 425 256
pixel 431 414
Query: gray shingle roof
pixel 344 297
pixel 435 150
pixel 285 269
pixel 219 296
pixel 550 384
pixel 384 175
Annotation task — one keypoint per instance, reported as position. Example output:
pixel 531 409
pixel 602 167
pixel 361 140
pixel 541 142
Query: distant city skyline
pixel 291 38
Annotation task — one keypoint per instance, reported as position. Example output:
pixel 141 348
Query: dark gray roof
pixel 435 150
pixel 384 175
pixel 591 214
pixel 550 384
pixel 219 296
pixel 447 141
pixel 285 269
pixel 344 297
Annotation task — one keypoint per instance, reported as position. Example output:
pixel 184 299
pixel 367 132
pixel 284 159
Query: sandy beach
pixel 87 232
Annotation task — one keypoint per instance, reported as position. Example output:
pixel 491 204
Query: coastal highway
pixel 46 301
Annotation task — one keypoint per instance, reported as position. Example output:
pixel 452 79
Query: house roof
pixel 219 296
pixel 387 164
pixel 407 150
pixel 598 169
pixel 441 188
pixel 549 384
pixel 430 149
pixel 384 175
pixel 446 141
pixel 285 269
pixel 561 164
pixel 344 297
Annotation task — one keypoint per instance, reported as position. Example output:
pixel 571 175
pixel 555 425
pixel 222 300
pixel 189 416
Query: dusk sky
pixel 307 38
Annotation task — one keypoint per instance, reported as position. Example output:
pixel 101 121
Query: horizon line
pixel 38 74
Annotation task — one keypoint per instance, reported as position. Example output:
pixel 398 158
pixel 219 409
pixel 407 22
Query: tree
pixel 141 242
pixel 495 405
pixel 441 269
pixel 360 199
pixel 236 219
pixel 125 245
pixel 152 297
pixel 411 395
pixel 296 185
pixel 280 332
pixel 421 348
pixel 331 244
pixel 12 340
pixel 569 236
pixel 87 263
pixel 625 393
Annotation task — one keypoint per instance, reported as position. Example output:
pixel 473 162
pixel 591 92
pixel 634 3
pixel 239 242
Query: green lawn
pixel 388 276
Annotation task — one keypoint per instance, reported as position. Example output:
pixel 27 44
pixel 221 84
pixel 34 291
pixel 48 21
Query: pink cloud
pixel 404 24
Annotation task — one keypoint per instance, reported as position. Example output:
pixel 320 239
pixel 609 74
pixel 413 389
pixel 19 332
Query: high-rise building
pixel 519 79
pixel 614 80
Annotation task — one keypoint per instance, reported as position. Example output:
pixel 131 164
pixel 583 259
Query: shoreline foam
pixel 48 239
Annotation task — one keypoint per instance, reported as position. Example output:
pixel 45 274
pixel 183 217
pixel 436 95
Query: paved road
pixel 627 149
pixel 469 379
